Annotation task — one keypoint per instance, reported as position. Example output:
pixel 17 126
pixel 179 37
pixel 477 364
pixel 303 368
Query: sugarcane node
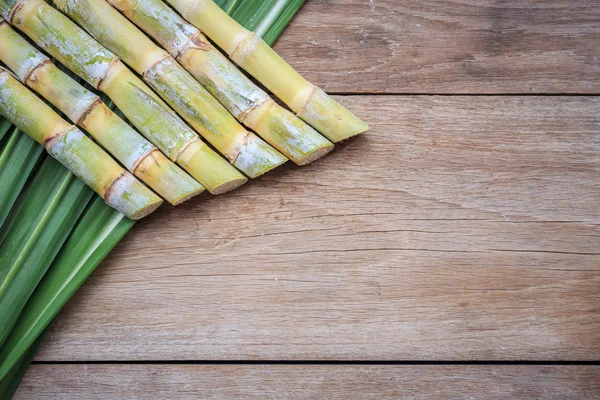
pixel 59 3
pixel 29 76
pixel 242 44
pixel 119 5
pixel 14 10
pixel 199 40
pixel 233 156
pixel 307 101
pixel 113 62
pixel 139 214
pixel 165 57
pixel 196 41
pixel 109 190
pixel 185 146
pixel 81 120
pixel 49 142
pixel 139 161
pixel 244 114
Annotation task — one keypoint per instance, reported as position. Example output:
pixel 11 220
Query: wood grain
pixel 310 382
pixel 447 46
pixel 459 228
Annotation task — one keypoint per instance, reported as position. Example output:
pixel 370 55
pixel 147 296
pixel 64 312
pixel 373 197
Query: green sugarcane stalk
pixel 74 150
pixel 179 89
pixel 242 98
pixel 100 68
pixel 255 56
pixel 86 110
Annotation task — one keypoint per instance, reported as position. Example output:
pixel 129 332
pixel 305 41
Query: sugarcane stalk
pixel 242 98
pixel 86 110
pixel 100 68
pixel 74 150
pixel 178 88
pixel 257 58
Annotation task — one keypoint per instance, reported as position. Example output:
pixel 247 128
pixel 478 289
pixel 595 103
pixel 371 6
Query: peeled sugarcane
pixel 83 55
pixel 242 98
pixel 255 56
pixel 74 150
pixel 179 89
pixel 86 110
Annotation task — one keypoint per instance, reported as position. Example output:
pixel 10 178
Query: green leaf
pixel 18 157
pixel 48 212
pixel 268 18
pixel 9 385
pixel 229 6
pixel 4 126
pixel 100 229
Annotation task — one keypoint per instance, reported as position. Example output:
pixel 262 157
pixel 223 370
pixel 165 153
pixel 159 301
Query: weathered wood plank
pixel 459 228
pixel 449 46
pixel 484 382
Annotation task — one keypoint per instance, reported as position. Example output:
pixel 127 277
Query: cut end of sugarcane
pixel 187 197
pixel 256 157
pixel 228 186
pixel 315 155
pixel 293 137
pixel 144 212
pixel 209 168
pixel 330 118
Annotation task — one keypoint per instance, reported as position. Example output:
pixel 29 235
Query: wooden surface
pixel 312 382
pixel 447 46
pixel 461 228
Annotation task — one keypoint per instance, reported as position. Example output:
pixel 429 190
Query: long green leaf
pixel 96 234
pixel 18 157
pixel 8 386
pixel 49 211
pixel 268 18
pixel 4 126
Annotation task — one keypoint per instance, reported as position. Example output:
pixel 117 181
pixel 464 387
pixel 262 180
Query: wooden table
pixel 451 252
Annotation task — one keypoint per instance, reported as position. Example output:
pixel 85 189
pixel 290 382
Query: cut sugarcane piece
pixel 175 85
pixel 242 98
pixel 86 110
pixel 251 53
pixel 74 150
pixel 83 55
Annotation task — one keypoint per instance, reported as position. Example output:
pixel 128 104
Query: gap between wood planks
pixel 417 94
pixel 318 362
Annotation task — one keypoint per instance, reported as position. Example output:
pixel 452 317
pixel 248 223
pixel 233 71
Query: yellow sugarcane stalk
pixel 74 150
pixel 251 53
pixel 100 68
pixel 86 110
pixel 242 98
pixel 175 85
